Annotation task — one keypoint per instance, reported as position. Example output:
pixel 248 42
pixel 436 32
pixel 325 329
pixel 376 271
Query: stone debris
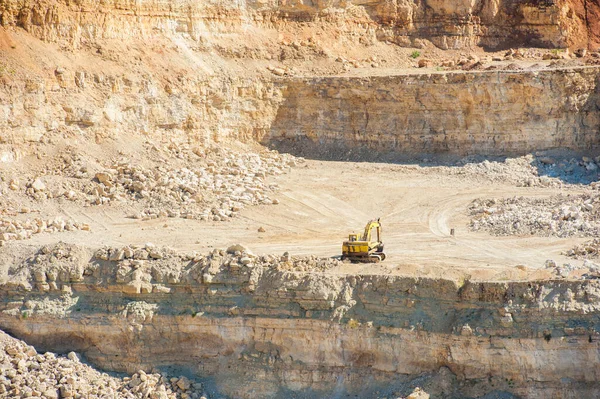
pixel 25 373
pixel 529 170
pixel 282 71
pixel 570 170
pixel 11 229
pixel 587 250
pixel 145 269
pixel 215 191
pixel 38 185
pixel 518 171
pixel 558 215
pixel 212 184
pixel 587 270
pixel 418 393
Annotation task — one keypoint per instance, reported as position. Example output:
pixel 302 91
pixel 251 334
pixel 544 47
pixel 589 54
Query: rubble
pixel 418 393
pixel 519 171
pixel 530 170
pixel 558 215
pixel 214 189
pixel 27 373
pixel 212 184
pixel 144 269
pixel 587 270
pixel 587 250
pixel 11 229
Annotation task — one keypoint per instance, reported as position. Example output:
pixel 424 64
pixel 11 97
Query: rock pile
pixel 559 215
pixel 518 171
pixel 587 250
pixel 216 190
pixel 587 270
pixel 530 170
pixel 39 188
pixel 196 183
pixel 146 269
pixel 572 170
pixel 303 264
pixel 25 373
pixel 11 229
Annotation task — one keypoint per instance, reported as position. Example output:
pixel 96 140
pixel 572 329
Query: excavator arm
pixel 368 233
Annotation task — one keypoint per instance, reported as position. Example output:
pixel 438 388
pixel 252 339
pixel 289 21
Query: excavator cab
pixel 368 248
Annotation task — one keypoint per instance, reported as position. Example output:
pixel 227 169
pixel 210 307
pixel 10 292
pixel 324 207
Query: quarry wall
pixel 497 112
pixel 460 113
pixel 453 24
pixel 236 322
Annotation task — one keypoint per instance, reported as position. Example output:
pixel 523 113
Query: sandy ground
pixel 322 202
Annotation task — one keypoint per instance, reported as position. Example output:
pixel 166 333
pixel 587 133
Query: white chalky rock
pixel 237 247
pixel 38 185
pixel 246 260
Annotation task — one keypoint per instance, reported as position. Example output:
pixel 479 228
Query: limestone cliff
pixel 457 113
pixel 99 105
pixel 261 326
pixel 493 113
pixel 448 24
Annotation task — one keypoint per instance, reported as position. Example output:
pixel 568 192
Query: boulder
pixel 38 185
pixel 237 247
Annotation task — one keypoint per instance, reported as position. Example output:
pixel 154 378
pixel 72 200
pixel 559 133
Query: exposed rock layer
pixel 458 113
pixel 239 319
pixel 493 113
pixel 449 24
pixel 99 105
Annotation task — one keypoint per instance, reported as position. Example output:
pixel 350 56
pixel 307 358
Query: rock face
pixel 448 24
pixel 205 109
pixel 300 328
pixel 484 112
pixel 492 113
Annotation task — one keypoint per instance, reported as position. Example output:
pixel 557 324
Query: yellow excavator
pixel 367 248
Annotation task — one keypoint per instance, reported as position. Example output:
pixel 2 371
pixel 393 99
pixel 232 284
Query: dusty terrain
pixel 176 180
pixel 317 203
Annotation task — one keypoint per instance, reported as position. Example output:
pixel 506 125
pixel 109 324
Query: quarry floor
pixel 321 202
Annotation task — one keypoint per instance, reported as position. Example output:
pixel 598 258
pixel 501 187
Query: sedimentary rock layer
pixel 448 24
pixel 236 319
pixel 104 105
pixel 493 113
pixel 498 113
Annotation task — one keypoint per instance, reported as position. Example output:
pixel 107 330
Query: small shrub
pixel 415 54
pixel 353 323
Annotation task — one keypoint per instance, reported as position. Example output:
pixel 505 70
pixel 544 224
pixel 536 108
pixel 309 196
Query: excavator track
pixel 377 257
pixel 372 258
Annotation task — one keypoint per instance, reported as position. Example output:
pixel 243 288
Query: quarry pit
pixel 177 179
